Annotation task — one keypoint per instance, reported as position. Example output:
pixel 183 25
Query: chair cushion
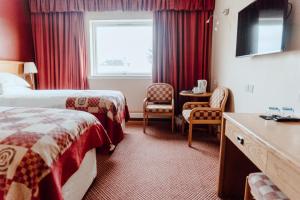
pixel 263 189
pixel 202 115
pixel 159 108
pixel 217 97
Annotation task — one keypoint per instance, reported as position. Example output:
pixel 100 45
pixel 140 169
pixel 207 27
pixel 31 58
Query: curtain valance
pixel 48 6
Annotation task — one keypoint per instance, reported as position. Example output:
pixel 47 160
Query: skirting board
pixel 136 115
pixel 140 116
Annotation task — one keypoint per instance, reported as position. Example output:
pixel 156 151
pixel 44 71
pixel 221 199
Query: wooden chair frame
pixel 247 195
pixel 201 107
pixel 146 114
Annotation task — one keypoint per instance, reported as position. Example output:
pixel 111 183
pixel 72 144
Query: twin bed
pixel 107 105
pixel 48 137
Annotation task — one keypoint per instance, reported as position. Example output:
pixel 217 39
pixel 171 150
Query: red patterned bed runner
pixel 109 110
pixel 41 148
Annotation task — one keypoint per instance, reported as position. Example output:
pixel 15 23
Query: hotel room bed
pixel 107 105
pixel 48 153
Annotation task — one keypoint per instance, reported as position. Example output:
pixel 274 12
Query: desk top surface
pixel 282 137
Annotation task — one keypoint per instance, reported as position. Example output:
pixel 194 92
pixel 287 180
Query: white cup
pixel 196 90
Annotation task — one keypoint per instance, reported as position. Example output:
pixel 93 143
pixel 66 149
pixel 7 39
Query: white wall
pixel 134 88
pixel 276 77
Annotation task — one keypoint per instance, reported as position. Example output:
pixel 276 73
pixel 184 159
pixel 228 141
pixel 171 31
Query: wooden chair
pixel 259 187
pixel 205 112
pixel 159 101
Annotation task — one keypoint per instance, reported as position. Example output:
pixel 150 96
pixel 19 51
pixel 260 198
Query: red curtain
pixel 181 45
pixel 60 49
pixel 182 48
pixel 108 5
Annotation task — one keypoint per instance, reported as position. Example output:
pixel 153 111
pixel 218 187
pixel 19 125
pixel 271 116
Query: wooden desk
pixel 249 144
pixel 188 93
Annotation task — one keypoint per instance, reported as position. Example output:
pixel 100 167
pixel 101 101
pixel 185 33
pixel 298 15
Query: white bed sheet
pixel 48 98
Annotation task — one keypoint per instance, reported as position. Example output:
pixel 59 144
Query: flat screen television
pixel 262 28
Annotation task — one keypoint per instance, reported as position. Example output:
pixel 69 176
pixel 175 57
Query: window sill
pixel 124 77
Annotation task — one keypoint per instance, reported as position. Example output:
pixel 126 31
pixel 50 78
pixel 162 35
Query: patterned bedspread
pixel 111 111
pixel 41 148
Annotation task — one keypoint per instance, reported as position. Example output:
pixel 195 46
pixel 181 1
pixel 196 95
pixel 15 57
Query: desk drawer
pixel 285 175
pixel 248 145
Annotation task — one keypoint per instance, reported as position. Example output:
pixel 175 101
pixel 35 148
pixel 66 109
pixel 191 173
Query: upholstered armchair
pixel 205 112
pixel 159 101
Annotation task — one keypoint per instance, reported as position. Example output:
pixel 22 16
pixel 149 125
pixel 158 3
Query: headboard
pixel 17 68
pixel 14 67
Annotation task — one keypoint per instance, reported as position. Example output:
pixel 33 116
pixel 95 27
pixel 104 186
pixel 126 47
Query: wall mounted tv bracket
pixel 290 10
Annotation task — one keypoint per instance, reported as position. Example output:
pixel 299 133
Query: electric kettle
pixel 202 84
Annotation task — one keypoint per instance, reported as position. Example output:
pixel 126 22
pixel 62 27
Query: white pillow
pixel 8 79
pixel 16 90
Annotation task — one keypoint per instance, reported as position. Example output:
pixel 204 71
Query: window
pixel 121 47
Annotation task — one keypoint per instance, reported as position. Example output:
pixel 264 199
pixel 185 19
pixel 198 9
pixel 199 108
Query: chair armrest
pixel 145 103
pixel 191 105
pixel 201 113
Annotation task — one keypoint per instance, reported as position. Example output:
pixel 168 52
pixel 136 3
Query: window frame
pixel 93 24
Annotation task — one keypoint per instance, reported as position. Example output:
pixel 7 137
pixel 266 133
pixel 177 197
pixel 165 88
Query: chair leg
pixel 190 134
pixel 147 120
pixel 247 195
pixel 144 123
pixel 222 127
pixel 173 122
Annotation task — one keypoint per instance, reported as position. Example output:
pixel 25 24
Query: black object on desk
pixel 279 118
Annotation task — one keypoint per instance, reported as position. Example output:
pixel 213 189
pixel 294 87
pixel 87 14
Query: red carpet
pixel 158 165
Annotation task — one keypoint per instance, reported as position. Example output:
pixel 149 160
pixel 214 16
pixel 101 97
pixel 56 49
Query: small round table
pixel 189 93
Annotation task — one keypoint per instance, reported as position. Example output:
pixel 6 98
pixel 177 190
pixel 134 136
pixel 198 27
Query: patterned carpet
pixel 158 165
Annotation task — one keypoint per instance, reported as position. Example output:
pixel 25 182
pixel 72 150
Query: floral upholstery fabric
pixel 263 189
pixel 202 115
pixel 159 108
pixel 191 106
pixel 216 98
pixel 160 93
